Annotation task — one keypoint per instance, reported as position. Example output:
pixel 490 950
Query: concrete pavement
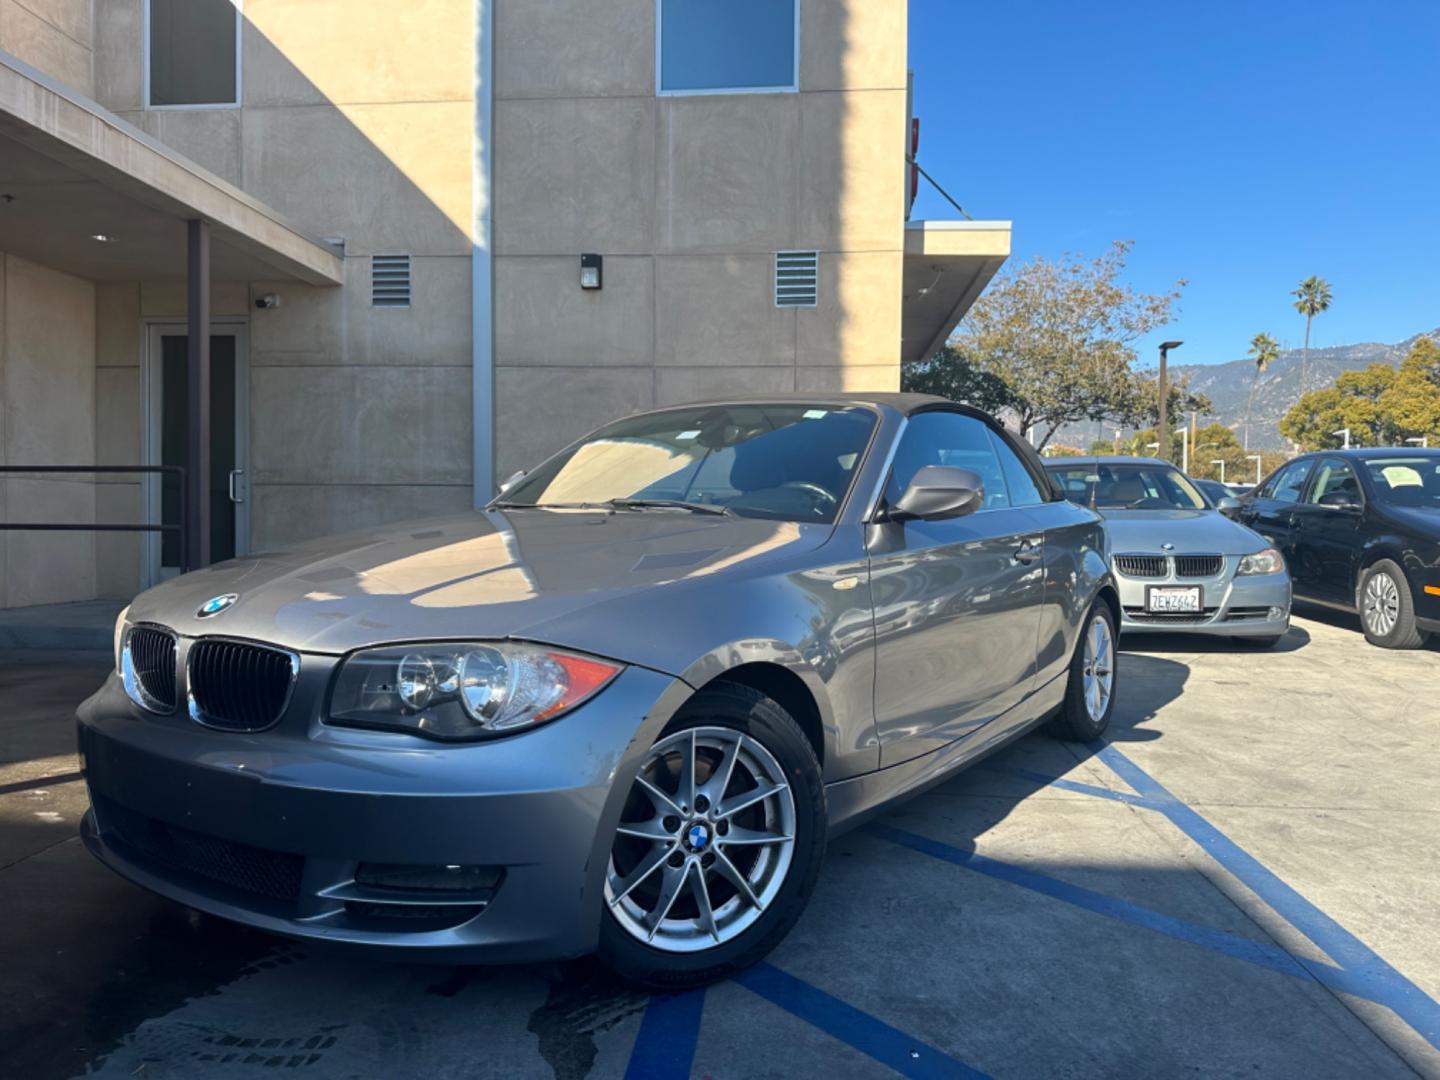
pixel 1240 882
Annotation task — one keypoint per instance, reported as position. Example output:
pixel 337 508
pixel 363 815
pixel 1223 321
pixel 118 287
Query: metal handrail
pixel 100 527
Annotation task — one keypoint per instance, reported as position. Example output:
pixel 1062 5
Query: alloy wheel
pixel 704 843
pixel 1098 667
pixel 1382 604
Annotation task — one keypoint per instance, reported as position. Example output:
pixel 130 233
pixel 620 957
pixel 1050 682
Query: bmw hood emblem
pixel 215 605
pixel 698 836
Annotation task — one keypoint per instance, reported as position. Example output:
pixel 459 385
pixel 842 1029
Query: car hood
pixel 483 575
pixel 1192 532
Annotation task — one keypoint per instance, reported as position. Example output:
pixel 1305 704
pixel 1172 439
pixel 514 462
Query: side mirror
pixel 1228 505
pixel 1339 500
pixel 938 492
pixel 513 479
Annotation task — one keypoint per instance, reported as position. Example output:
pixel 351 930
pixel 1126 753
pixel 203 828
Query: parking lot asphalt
pixel 1241 880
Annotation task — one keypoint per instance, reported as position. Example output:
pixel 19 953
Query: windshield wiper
pixel 670 504
pixel 547 506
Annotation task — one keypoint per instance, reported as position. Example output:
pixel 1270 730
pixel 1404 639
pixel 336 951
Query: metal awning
pixel 947 265
pixel 70 171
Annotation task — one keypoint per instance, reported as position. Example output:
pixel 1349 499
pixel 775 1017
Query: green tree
pixel 1311 298
pixel 951 374
pixel 1264 349
pixel 1381 405
pixel 1057 335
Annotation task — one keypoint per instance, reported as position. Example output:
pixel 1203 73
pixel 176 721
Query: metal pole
pixel 1162 429
pixel 197 441
pixel 1221 463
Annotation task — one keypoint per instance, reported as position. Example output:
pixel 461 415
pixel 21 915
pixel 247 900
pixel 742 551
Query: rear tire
pixel 1387 610
pixel 1094 676
pixel 767 747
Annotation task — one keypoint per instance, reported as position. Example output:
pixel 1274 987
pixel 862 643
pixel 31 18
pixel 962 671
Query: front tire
pixel 719 844
pixel 1094 673
pixel 1387 610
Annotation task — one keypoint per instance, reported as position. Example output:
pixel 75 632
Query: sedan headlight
pixel 1268 561
pixel 120 634
pixel 463 691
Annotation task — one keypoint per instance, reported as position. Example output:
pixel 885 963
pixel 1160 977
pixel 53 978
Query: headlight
pixel 463 691
pixel 1268 561
pixel 120 634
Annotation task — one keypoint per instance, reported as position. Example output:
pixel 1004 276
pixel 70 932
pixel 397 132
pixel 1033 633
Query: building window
pixel 727 46
pixel 192 54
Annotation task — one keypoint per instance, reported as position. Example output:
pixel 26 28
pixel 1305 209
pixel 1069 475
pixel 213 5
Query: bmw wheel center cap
pixel 698 836
pixel 215 605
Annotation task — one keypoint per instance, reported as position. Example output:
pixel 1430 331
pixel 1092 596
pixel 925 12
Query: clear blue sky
pixel 1242 146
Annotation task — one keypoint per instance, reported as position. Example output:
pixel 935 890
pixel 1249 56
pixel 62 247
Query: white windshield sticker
pixel 686 436
pixel 816 414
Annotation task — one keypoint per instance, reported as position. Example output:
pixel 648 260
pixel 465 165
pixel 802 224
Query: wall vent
pixel 796 278
pixel 390 281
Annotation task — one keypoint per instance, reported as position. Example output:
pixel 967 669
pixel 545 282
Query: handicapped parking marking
pixel 670 1030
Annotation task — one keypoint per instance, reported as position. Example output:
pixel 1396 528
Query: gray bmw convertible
pixel 618 710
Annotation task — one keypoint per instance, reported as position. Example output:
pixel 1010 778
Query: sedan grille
pixel 1198 565
pixel 1149 566
pixel 238 686
pixel 152 655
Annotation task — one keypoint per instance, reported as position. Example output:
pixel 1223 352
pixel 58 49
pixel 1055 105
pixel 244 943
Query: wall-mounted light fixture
pixel 592 271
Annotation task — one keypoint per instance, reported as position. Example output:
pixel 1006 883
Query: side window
pixel 1337 480
pixel 1023 489
pixel 946 438
pixel 1289 484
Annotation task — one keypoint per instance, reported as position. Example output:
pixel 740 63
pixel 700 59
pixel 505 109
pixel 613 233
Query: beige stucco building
pixel 399 200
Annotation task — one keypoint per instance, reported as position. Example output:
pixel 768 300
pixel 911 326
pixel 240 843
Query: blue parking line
pixel 1067 785
pixel 1361 972
pixel 669 1032
pixel 859 1030
pixel 1253 952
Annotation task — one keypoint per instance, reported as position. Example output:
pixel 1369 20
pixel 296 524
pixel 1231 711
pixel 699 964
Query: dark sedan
pixel 1360 530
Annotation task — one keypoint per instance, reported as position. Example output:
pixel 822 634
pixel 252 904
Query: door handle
pixel 1029 551
pixel 235 475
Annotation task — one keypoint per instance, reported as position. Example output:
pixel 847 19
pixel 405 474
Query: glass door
pixel 167 379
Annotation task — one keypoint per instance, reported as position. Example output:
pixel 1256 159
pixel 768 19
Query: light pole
pixel 1162 430
pixel 1344 433
pixel 1423 442
pixel 1256 459
pixel 1221 463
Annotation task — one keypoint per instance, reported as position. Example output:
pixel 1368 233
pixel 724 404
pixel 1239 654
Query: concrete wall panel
pixel 574 175
pixel 540 410
pixel 344 53
pixel 851 201
pixel 561 49
pixel 119 43
pixel 288 514
pixel 885 377
pixel 117 324
pixel 857 320
pixel 386 178
pixel 728 173
pixel 719 311
pixel 52 35
pixel 674 386
pixel 360 425
pixel 853 44
pixel 544 318
pixel 208 137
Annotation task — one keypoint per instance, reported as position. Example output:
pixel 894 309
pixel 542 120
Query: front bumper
pixel 274 829
pixel 1251 606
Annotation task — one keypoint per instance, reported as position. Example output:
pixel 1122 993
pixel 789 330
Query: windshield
pixel 1406 481
pixel 1132 487
pixel 790 462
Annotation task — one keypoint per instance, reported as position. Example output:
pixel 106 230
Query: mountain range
pixel 1227 385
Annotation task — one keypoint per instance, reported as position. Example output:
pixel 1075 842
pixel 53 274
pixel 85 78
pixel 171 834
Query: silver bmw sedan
pixel 620 708
pixel 1180 565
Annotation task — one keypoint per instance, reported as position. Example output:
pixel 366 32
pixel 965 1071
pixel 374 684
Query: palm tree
pixel 1311 298
pixel 1264 349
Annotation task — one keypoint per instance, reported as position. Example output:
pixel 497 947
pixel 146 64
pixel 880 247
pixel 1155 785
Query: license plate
pixel 1184 600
